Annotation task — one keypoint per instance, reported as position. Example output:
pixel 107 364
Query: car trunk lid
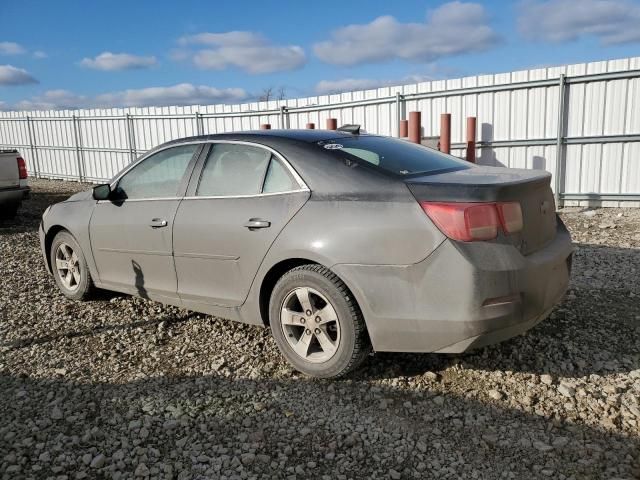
pixel 531 188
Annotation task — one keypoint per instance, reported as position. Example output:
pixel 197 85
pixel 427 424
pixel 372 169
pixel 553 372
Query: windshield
pixel 399 157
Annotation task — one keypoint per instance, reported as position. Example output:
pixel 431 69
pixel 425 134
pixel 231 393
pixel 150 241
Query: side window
pixel 233 170
pixel 278 178
pixel 158 176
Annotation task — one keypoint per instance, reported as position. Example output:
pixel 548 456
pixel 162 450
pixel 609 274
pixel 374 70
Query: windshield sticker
pixel 333 146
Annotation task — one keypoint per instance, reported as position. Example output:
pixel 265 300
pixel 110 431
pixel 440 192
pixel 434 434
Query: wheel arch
pixel 278 270
pixel 271 278
pixel 48 241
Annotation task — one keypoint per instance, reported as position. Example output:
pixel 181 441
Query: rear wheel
pixel 70 268
pixel 317 323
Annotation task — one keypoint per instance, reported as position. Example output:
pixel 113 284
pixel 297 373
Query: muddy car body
pixel 340 242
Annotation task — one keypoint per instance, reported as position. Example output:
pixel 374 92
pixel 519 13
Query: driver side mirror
pixel 102 192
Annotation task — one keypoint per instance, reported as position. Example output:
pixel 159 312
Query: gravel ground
pixel 121 387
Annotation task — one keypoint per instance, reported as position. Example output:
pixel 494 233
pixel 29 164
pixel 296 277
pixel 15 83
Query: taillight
pixel 468 222
pixel 22 169
pixel 510 216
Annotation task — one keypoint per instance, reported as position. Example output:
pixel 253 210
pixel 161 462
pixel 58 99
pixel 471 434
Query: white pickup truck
pixel 13 183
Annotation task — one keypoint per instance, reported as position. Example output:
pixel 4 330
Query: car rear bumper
pixel 463 296
pixel 14 195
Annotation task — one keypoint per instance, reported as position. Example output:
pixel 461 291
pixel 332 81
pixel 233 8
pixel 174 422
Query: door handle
pixel 158 223
pixel 257 223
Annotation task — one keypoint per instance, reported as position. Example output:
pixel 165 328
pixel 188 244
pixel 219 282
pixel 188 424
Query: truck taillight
pixel 468 222
pixel 22 169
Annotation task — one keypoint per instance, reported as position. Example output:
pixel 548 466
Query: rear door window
pixel 232 170
pixel 395 156
pixel 278 179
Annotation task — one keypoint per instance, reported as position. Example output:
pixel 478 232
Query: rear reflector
pixel 22 169
pixel 468 222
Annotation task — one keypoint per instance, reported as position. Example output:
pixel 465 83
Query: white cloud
pixel 11 48
pixel 451 29
pixel 108 61
pixel 247 51
pixel 181 94
pixel 324 87
pixel 611 21
pixel 39 54
pixel 10 75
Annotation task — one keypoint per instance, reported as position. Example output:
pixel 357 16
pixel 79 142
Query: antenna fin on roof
pixel 354 129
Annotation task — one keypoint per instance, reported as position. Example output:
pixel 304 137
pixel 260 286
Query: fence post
pixel 560 150
pixel 32 149
pixel 471 139
pixel 131 140
pixel 399 99
pixel 445 132
pixel 404 128
pixel 199 124
pixel 415 127
pixel 284 117
pixel 76 137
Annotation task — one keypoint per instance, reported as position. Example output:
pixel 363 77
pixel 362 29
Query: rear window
pixel 399 157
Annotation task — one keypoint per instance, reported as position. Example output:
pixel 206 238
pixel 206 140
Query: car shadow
pixel 93 331
pixel 348 428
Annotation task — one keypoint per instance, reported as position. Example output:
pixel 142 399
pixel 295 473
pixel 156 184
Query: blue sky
pixel 66 54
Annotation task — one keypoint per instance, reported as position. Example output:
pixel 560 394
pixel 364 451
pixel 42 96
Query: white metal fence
pixel 580 122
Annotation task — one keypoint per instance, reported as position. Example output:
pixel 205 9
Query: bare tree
pixel 266 95
pixel 270 93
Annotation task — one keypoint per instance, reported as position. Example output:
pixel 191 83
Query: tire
pixel 330 348
pixel 80 285
pixel 8 212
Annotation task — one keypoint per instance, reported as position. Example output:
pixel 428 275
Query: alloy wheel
pixel 310 325
pixel 68 266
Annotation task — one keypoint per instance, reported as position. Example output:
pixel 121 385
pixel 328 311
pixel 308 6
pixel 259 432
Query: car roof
pixel 263 136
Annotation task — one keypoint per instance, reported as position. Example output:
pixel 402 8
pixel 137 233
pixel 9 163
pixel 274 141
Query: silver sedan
pixel 340 242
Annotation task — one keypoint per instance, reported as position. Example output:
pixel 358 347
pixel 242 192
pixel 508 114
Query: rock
pixel 566 390
pixel 56 413
pixel 431 376
pixel 495 394
pixel 394 474
pixel 546 379
pixel 559 442
pixel 141 470
pixel 541 446
pixel 635 410
pixel 98 461
pixel 439 400
pixel 490 438
pixel 247 458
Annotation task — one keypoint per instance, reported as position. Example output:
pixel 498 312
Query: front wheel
pixel 70 268
pixel 317 323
